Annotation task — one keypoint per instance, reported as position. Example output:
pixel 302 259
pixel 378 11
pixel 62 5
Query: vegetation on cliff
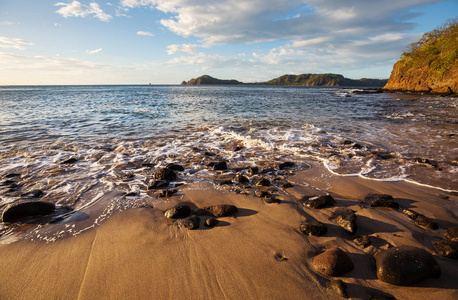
pixel 429 65
pixel 324 80
pixel 206 79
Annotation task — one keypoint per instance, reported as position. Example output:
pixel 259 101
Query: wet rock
pixel 178 212
pixel 241 179
pixel 9 183
pixel 382 200
pixel 69 161
pixel 165 174
pixel 218 165
pixel 338 286
pixel 253 170
pixel 131 194
pixel 346 219
pixel 452 234
pixel 190 223
pixel 420 220
pixel 157 184
pixel 286 165
pixel 446 248
pixel 15 212
pixel 12 175
pixel 167 193
pixel 320 202
pixel 226 182
pixel 211 222
pixel 406 265
pixel 175 167
pixel 363 241
pixel 313 227
pixel 424 161
pixel 332 262
pixel 221 210
pixel 286 185
pixel 263 182
pixel 33 194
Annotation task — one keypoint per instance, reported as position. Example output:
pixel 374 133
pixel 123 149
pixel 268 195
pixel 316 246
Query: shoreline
pixel 258 253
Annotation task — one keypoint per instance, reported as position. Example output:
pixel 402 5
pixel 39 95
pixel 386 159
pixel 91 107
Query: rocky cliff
pixel 430 65
pixel 206 79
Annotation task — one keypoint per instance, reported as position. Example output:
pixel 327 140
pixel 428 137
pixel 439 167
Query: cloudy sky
pixel 168 41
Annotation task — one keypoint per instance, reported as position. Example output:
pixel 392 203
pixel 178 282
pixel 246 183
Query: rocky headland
pixel 206 79
pixel 429 65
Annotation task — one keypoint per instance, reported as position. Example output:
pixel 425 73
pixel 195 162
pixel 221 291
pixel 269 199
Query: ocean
pixel 117 136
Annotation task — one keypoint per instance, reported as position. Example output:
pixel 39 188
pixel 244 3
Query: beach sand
pixel 260 253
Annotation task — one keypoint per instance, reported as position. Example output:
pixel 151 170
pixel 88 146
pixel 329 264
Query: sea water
pixel 119 135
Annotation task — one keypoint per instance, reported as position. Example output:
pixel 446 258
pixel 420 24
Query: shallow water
pixel 120 134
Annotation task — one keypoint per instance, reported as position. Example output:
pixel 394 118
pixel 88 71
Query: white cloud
pixel 7 23
pixel 185 48
pixel 14 43
pixel 94 51
pixel 76 9
pixel 146 33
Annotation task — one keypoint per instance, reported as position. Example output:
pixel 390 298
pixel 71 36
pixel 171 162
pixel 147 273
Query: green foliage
pixel 323 80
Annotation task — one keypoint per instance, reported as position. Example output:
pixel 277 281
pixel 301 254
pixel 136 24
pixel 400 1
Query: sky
pixel 167 41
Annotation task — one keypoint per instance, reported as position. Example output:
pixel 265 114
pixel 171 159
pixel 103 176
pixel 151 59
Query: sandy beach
pixel 259 253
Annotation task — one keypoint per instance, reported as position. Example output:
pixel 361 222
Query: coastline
pixel 259 253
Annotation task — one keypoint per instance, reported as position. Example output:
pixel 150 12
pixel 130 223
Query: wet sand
pixel 259 253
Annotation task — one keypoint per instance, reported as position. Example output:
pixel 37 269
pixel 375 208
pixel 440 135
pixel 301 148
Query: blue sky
pixel 168 41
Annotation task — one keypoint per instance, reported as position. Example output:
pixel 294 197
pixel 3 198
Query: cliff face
pixel 205 79
pixel 431 65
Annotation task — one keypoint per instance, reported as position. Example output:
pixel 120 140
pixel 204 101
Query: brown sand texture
pixel 260 253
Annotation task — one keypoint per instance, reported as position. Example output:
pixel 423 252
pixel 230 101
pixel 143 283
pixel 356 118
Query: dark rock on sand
pixel 221 210
pixel 363 241
pixel 178 212
pixel 406 265
pixel 382 200
pixel 338 286
pixel 332 262
pixel 175 167
pixel 263 182
pixel 286 165
pixel 241 179
pixel 226 182
pixel 131 194
pixel 253 170
pixel 286 185
pixel 346 219
pixel 33 194
pixel 452 234
pixel 320 202
pixel 420 220
pixel 16 211
pixel 12 175
pixel 69 161
pixel 314 228
pixel 446 248
pixel 218 165
pixel 271 199
pixel 262 194
pixel 9 183
pixel 190 223
pixel 167 193
pixel 211 222
pixel 199 212
pixel 157 184
pixel 165 174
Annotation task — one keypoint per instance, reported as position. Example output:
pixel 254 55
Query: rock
pixel 218 165
pixel 338 286
pixel 165 174
pixel 167 193
pixel 16 211
pixel 346 219
pixel 420 220
pixel 332 262
pixel 263 182
pixel 69 161
pixel 286 185
pixel 199 212
pixel 406 265
pixel 33 194
pixel 221 210
pixel 409 213
pixel 286 165
pixel 211 222
pixel 314 228
pixel 382 200
pixel 241 179
pixel 446 248
pixel 157 184
pixel 226 182
pixel 131 194
pixel 253 170
pixel 320 202
pixel 190 223
pixel 262 194
pixel 9 183
pixel 363 241
pixel 175 167
pixel 12 175
pixel 238 148
pixel 452 234
pixel 271 199
pixel 178 212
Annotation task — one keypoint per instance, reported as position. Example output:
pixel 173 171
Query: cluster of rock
pixel 190 219
pixel 403 265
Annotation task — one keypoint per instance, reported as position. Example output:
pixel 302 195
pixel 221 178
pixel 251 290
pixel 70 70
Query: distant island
pixel 430 65
pixel 296 80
